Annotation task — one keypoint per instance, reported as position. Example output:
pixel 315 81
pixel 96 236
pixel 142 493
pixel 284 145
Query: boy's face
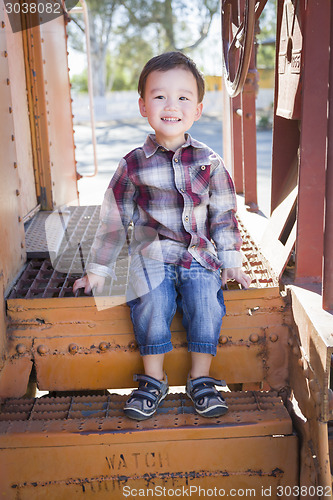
pixel 171 105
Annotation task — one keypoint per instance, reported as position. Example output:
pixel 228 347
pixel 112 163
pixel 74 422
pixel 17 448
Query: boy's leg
pixel 200 364
pixel 153 365
pixel 203 309
pixel 151 315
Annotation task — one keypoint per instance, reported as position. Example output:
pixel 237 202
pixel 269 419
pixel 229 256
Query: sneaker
pixel 144 401
pixel 208 401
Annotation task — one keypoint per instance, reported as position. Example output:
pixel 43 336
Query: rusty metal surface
pixel 12 253
pixel 71 335
pixel 311 187
pixel 328 218
pixel 46 279
pixel 98 450
pixel 64 334
pixel 59 118
pixel 19 105
pixel 264 408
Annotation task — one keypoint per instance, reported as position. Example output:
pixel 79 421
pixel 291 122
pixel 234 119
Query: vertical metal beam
pixel 328 229
pixel 309 243
pixel 237 144
pixel 249 137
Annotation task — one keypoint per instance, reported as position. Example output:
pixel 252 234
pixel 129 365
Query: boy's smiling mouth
pixel 170 119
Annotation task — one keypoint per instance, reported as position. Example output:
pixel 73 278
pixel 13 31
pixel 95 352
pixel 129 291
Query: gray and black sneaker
pixel 144 401
pixel 208 401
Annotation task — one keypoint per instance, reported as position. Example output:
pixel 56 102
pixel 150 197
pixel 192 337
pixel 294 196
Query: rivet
pixel 42 349
pixel 132 345
pixel 10 109
pixel 5 53
pixel 296 350
pixel 254 337
pixel 273 337
pixel 13 137
pixel 73 348
pixel 223 339
pixel 21 348
pixel 103 346
pixel 3 24
pixel 8 81
pixel 17 192
pixel 15 164
pixel 19 218
pixel 22 244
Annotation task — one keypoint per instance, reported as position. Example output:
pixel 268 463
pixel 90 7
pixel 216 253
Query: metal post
pixel 309 243
pixel 328 229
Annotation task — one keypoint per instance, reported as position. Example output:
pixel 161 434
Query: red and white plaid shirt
pixel 182 205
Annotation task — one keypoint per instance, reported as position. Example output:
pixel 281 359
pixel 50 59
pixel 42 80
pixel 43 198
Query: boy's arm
pixel 223 224
pixel 115 216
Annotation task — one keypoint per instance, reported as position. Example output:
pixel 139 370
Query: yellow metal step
pixel 84 447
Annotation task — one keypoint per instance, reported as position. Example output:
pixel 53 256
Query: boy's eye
pixel 159 97
pixel 183 98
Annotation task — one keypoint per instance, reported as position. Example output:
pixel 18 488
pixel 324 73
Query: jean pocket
pixel 200 176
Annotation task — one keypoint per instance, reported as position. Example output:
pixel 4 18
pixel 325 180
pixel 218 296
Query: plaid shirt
pixel 182 205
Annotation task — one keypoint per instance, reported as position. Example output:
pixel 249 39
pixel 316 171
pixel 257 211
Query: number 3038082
pixel 33 8
pixel 304 491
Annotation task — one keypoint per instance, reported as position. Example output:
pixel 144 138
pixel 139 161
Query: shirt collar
pixel 151 145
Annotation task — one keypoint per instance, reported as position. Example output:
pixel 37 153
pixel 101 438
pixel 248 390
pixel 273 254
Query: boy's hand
pixel 235 273
pixel 88 282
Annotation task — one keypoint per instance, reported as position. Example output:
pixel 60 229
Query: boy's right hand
pixel 88 282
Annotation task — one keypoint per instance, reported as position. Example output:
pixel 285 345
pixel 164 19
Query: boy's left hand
pixel 235 273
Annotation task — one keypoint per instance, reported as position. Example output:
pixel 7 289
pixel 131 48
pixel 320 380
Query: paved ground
pixel 117 138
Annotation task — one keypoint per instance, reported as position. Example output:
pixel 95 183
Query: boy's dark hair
pixel 167 61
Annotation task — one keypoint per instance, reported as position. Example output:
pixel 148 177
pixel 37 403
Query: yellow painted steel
pixel 76 345
pixel 251 447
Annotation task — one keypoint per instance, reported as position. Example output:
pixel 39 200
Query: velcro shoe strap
pixel 206 392
pixel 207 380
pixel 149 380
pixel 144 394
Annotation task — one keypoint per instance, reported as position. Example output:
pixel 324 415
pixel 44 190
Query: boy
pixel 181 201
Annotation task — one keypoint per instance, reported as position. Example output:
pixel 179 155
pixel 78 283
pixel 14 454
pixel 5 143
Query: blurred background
pixel 123 36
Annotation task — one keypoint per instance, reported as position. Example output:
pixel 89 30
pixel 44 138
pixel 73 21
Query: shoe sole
pixel 139 415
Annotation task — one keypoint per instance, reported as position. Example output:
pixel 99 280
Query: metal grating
pixel 244 407
pixel 254 263
pixel 55 276
pixel 45 232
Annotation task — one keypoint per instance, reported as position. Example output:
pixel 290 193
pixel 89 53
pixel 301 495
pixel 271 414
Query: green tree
pixel 266 36
pixel 138 29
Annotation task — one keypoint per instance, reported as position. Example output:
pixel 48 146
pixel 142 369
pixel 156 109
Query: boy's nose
pixel 171 104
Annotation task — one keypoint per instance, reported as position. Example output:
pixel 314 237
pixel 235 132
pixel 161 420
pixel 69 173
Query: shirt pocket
pixel 200 176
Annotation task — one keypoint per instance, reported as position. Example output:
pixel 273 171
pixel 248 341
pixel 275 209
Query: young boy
pixel 181 201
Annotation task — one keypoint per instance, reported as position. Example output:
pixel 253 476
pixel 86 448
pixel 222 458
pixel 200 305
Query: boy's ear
pixel 199 111
pixel 142 107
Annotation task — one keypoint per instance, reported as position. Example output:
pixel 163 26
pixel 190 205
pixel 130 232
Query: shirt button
pixel 176 160
pixel 183 190
pixel 193 246
pixel 186 218
pixel 203 167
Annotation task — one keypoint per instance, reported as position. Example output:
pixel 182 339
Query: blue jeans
pixel 198 293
